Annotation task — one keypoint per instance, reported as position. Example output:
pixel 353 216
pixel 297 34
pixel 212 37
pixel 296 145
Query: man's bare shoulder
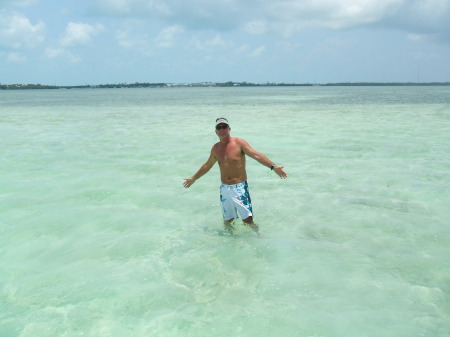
pixel 215 148
pixel 240 141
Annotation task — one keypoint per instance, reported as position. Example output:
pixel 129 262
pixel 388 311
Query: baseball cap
pixel 222 120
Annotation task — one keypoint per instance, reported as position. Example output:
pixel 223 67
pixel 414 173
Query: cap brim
pixel 222 121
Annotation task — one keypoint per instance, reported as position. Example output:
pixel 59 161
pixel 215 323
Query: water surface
pixel 99 238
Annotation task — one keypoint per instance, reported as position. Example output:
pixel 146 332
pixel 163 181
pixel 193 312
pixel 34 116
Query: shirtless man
pixel 230 153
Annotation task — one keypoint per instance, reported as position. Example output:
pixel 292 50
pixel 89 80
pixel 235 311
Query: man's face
pixel 222 130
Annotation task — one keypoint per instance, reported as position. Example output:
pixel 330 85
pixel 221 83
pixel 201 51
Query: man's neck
pixel 225 140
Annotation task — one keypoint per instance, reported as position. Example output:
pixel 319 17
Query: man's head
pixel 222 124
pixel 222 128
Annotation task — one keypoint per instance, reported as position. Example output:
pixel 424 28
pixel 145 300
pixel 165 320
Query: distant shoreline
pixel 215 84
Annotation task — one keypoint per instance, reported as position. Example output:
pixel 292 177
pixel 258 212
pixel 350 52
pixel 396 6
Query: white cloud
pixel 197 14
pixel 258 51
pixel 129 40
pixel 54 52
pixel 243 49
pixel 18 3
pixel 17 32
pixel 78 33
pixel 16 58
pixel 112 7
pixel 418 37
pixel 123 8
pixel 331 46
pixel 60 52
pixel 254 15
pixel 217 42
pixel 291 16
pixel 256 27
pixel 168 37
pixel 286 17
pixel 126 40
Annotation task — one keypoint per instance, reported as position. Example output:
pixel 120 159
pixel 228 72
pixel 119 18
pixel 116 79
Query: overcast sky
pixel 305 41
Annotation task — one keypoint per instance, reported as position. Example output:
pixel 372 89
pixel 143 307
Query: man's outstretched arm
pixel 203 170
pixel 262 159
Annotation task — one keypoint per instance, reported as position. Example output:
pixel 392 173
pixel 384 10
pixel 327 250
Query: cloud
pixel 256 27
pixel 16 3
pixel 16 58
pixel 217 42
pixel 124 8
pixel 54 52
pixel 17 32
pixel 286 17
pixel 332 14
pixel 195 14
pixel 128 40
pixel 79 33
pixel 419 37
pixel 113 7
pixel 168 37
pixel 61 52
pixel 422 17
pixel 258 51
pixel 331 46
pixel 76 34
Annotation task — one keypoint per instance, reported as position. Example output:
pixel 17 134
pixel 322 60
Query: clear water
pixel 99 238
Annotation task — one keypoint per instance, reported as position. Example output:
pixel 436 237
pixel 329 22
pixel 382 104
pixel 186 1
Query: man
pixel 230 153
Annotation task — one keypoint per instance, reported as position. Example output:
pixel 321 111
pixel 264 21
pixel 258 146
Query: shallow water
pixel 99 238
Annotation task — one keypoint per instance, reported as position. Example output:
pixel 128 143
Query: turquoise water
pixel 99 238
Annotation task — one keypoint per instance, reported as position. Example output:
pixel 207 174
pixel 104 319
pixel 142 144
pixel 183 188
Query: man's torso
pixel 231 161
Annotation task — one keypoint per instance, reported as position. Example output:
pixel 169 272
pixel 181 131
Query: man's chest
pixel 231 152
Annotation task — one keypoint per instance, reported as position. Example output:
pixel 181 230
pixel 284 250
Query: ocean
pixel 98 237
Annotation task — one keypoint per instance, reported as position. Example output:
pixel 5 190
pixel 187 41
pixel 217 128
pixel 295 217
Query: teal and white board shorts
pixel 235 198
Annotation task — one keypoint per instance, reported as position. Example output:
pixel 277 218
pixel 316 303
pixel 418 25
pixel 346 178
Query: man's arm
pixel 261 158
pixel 203 169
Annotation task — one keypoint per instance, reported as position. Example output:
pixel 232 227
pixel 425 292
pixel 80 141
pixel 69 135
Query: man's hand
pixel 188 182
pixel 279 170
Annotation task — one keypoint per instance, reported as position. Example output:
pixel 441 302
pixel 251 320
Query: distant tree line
pixel 387 84
pixel 211 84
pixel 102 86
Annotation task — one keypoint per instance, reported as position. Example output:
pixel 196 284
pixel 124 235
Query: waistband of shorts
pixel 235 185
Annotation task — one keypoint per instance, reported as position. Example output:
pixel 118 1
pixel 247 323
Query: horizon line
pixel 208 84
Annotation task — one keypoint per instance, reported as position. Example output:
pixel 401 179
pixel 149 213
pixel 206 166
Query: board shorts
pixel 235 199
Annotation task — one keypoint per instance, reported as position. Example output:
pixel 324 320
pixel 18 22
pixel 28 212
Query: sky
pixel 62 42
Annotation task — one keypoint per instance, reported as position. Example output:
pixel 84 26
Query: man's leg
pixel 249 222
pixel 229 225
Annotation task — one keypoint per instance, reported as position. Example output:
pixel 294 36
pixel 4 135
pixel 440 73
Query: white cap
pixel 222 120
